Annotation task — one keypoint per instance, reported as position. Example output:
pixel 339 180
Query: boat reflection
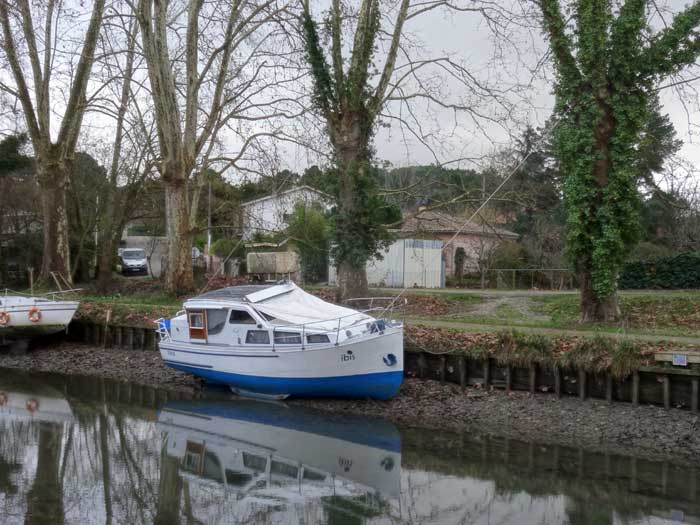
pixel 272 450
pixel 48 405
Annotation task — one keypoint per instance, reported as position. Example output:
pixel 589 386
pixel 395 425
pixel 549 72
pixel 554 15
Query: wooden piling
pixel 487 372
pixel 117 336
pixel 421 366
pixel 666 382
pixel 635 388
pixel 462 369
pixel 509 378
pixel 609 388
pixel 633 474
pixel 557 381
pixel 664 478
pixel 582 389
pixel 533 378
pixel 442 371
pixel 108 337
pixel 694 394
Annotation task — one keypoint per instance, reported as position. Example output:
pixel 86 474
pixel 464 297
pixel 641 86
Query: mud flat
pixel 620 428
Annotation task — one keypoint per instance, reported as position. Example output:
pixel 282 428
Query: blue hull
pixel 382 385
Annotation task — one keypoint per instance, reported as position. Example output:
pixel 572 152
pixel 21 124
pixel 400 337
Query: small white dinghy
pixel 277 341
pixel 27 316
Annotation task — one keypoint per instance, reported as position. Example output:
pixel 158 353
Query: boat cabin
pixel 260 316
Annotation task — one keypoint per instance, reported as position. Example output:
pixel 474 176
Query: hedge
pixel 680 271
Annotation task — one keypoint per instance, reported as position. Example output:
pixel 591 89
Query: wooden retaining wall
pixel 664 386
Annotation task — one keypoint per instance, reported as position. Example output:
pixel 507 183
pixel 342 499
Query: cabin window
pixel 317 338
pixel 196 320
pixel 237 479
pixel 216 320
pixel 257 463
pixel 283 469
pixel 287 338
pixel 257 337
pixel 241 317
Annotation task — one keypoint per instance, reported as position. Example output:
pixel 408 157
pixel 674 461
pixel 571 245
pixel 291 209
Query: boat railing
pixel 381 314
pixel 393 304
pixel 48 295
pixel 163 328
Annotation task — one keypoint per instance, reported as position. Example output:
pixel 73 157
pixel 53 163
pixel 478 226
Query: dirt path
pixel 520 304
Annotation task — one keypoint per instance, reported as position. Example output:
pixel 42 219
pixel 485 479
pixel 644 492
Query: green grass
pixel 674 313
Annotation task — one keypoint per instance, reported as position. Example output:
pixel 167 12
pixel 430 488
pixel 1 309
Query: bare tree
pixel 34 56
pixel 132 148
pixel 198 89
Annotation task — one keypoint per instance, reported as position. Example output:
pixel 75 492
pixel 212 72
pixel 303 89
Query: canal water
pixel 85 450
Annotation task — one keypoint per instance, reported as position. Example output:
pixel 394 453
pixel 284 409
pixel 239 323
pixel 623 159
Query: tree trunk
pixel 352 278
pixel 352 281
pixel 53 180
pixel 180 278
pixel 107 251
pixel 593 308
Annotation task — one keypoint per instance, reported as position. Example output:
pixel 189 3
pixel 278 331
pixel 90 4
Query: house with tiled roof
pixel 476 239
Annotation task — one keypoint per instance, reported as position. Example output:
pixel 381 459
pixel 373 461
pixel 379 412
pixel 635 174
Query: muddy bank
pixel 144 368
pixel 619 428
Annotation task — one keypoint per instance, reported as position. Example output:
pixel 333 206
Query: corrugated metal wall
pixel 407 263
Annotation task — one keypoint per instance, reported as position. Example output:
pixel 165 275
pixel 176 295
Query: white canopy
pixel 293 305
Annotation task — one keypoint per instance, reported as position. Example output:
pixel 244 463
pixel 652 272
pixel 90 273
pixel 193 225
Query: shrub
pixel 681 271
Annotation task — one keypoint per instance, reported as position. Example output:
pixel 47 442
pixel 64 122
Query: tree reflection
pixel 169 491
pixel 45 498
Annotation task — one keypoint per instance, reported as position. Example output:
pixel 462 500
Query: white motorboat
pixel 27 316
pixel 278 341
pixel 261 449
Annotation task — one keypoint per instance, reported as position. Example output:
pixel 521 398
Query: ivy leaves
pixel 607 69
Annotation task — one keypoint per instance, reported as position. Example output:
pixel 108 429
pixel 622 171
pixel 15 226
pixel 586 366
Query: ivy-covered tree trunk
pixel 350 108
pixel 594 306
pixel 608 63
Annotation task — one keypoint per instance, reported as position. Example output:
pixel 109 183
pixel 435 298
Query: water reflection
pixel 92 451
pixel 300 462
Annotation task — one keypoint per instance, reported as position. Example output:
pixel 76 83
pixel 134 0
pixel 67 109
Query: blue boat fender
pixel 378 326
pixel 389 359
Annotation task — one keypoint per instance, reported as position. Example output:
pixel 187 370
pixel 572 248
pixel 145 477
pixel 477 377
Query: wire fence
pixel 519 279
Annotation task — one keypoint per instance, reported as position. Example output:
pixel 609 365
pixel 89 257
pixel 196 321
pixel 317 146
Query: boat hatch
pixel 197 320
